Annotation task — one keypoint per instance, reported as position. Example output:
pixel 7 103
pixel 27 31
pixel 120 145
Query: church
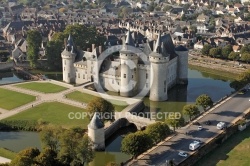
pixel 130 68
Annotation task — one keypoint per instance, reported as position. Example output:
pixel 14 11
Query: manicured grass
pixel 11 99
pixel 233 152
pixel 44 87
pixel 86 98
pixel 55 113
pixel 7 153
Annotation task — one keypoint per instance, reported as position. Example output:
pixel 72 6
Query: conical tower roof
pixel 129 40
pixel 95 122
pixel 158 47
pixel 70 41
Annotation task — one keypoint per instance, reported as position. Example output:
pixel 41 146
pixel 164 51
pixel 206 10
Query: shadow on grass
pixel 220 153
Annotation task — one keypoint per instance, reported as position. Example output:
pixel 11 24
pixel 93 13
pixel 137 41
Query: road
pixel 227 112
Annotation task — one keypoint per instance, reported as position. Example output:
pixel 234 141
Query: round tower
pixel 96 132
pixel 158 73
pixel 182 64
pixel 68 58
pixel 129 73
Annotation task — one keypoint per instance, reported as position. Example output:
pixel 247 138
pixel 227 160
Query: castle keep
pixel 145 67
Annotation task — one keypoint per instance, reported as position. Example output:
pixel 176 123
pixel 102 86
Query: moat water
pixel 199 83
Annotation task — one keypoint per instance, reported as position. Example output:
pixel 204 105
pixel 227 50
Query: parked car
pixel 199 141
pixel 221 125
pixel 182 154
pixel 208 122
pixel 194 145
pixel 200 128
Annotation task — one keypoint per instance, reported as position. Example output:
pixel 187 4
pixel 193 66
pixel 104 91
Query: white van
pixel 194 145
pixel 221 125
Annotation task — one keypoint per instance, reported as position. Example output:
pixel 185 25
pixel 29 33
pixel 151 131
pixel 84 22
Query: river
pixel 198 83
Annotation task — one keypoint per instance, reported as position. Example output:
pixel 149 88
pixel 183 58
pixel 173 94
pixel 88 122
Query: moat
pixel 198 83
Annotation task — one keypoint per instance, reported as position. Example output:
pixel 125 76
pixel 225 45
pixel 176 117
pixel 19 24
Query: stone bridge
pixel 127 117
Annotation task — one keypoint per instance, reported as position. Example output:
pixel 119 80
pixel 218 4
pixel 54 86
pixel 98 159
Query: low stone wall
pixel 136 107
pixel 115 126
pixel 6 66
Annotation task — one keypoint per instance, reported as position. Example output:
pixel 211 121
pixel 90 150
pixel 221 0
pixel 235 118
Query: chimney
pixel 88 49
pixel 100 49
pixel 93 47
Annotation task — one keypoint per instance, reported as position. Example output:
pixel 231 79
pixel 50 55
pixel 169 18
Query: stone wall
pixel 6 65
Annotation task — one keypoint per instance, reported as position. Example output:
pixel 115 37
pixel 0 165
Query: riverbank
pixel 217 64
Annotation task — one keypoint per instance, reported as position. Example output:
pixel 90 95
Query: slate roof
pixel 96 122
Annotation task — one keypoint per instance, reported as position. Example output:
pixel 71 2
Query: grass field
pixel 86 98
pixel 233 152
pixel 53 112
pixel 11 99
pixel 7 153
pixel 44 87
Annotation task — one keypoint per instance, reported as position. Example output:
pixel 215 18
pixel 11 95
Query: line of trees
pixel 61 147
pixel 227 52
pixel 136 143
pixel 83 36
pixel 241 81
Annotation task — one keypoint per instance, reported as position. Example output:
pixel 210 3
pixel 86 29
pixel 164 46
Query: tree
pixel 193 28
pixel 47 157
pixel 85 153
pixel 151 7
pixel 234 56
pixel 214 52
pixel 84 36
pixel 245 57
pixel 245 49
pixel 136 143
pixel 226 51
pixel 205 49
pixel 184 29
pixel 50 137
pixel 157 131
pixel 102 106
pixel 167 7
pixel 25 157
pixel 34 40
pixel 53 54
pixel 175 123
pixel 190 110
pixel 204 101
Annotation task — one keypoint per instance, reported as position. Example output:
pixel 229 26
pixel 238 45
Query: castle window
pixel 83 76
pixel 146 75
pixel 165 83
pixel 164 89
pixel 132 76
pixel 65 62
pixel 124 76
pixel 68 75
pixel 78 75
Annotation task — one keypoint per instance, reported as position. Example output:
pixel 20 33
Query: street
pixel 227 112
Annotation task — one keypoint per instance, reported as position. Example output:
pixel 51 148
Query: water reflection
pixel 17 141
pixel 10 77
pixel 112 152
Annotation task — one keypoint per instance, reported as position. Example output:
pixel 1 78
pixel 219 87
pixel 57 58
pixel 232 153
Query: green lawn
pixel 55 113
pixel 86 98
pixel 44 87
pixel 11 99
pixel 233 152
pixel 7 153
